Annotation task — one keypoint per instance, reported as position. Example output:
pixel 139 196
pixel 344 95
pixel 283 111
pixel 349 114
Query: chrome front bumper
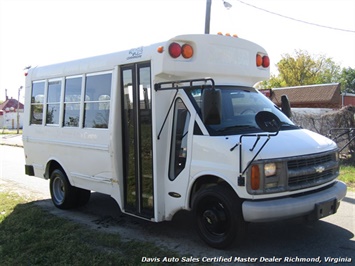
pixel 295 206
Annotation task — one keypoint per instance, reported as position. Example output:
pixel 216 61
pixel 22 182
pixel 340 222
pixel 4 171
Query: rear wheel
pixel 64 195
pixel 218 216
pixel 83 196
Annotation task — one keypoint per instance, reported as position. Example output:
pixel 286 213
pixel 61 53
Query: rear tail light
pixel 262 61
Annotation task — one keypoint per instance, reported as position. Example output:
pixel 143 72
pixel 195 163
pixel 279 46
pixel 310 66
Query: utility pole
pixel 208 16
pixel 17 110
pixel 208 13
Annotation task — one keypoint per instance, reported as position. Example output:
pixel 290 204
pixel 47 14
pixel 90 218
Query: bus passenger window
pixel 178 153
pixel 53 102
pixel 72 97
pixel 37 99
pixel 97 100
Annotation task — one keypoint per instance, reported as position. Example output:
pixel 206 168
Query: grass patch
pixel 347 175
pixel 5 131
pixel 32 236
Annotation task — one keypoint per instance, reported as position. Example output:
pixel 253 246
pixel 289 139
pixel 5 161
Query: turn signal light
pixel 255 177
pixel 175 50
pixel 187 51
pixel 259 60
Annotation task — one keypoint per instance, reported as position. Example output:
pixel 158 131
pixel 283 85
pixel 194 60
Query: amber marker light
pixel 255 177
pixel 160 49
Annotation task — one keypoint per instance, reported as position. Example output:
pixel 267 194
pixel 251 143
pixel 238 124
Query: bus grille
pixel 309 161
pixel 312 171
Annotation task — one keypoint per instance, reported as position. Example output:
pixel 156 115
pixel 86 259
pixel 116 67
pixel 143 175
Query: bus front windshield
pixel 239 107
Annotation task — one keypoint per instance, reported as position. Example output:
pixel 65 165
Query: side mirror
pixel 211 106
pixel 286 106
pixel 268 121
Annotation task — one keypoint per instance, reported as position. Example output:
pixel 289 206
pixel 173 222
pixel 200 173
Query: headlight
pixel 269 169
pixel 266 177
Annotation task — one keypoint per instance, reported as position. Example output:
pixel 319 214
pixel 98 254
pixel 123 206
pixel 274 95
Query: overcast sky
pixel 41 32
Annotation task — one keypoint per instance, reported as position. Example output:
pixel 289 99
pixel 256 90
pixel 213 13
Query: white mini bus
pixel 177 126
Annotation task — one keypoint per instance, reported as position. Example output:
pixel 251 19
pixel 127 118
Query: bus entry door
pixel 137 139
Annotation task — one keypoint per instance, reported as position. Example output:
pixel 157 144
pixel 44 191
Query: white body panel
pixel 92 158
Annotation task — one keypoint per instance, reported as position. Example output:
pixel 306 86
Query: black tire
pixel 218 214
pixel 82 196
pixel 63 194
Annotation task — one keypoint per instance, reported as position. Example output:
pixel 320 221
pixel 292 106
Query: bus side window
pixel 97 100
pixel 53 102
pixel 72 96
pixel 179 141
pixel 37 99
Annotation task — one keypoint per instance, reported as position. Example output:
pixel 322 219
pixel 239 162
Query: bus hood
pixel 289 143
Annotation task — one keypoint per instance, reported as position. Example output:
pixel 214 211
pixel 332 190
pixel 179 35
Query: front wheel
pixel 218 215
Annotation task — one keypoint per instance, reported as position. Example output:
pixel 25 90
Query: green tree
pixel 347 79
pixel 303 69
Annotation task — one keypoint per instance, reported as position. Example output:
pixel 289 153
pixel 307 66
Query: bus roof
pixel 228 60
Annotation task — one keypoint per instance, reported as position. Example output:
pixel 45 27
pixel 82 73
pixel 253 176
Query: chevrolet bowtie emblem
pixel 319 169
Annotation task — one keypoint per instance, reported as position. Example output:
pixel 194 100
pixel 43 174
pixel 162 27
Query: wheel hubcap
pixel 58 190
pixel 210 217
pixel 214 220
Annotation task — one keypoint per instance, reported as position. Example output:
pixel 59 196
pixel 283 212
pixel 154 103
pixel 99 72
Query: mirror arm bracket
pixel 241 179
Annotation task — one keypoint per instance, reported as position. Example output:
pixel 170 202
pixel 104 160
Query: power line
pixel 298 20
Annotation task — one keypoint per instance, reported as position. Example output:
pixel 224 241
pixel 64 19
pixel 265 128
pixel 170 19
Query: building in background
pixel 312 96
pixel 8 114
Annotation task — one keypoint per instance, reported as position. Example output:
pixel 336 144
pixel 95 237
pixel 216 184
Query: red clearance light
pixel 266 61
pixel 174 50
pixel 187 51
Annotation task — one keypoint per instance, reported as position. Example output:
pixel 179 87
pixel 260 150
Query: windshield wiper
pixel 235 127
pixel 285 124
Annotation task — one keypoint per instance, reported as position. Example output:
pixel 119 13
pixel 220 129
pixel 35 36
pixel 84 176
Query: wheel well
pixel 206 181
pixel 51 166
